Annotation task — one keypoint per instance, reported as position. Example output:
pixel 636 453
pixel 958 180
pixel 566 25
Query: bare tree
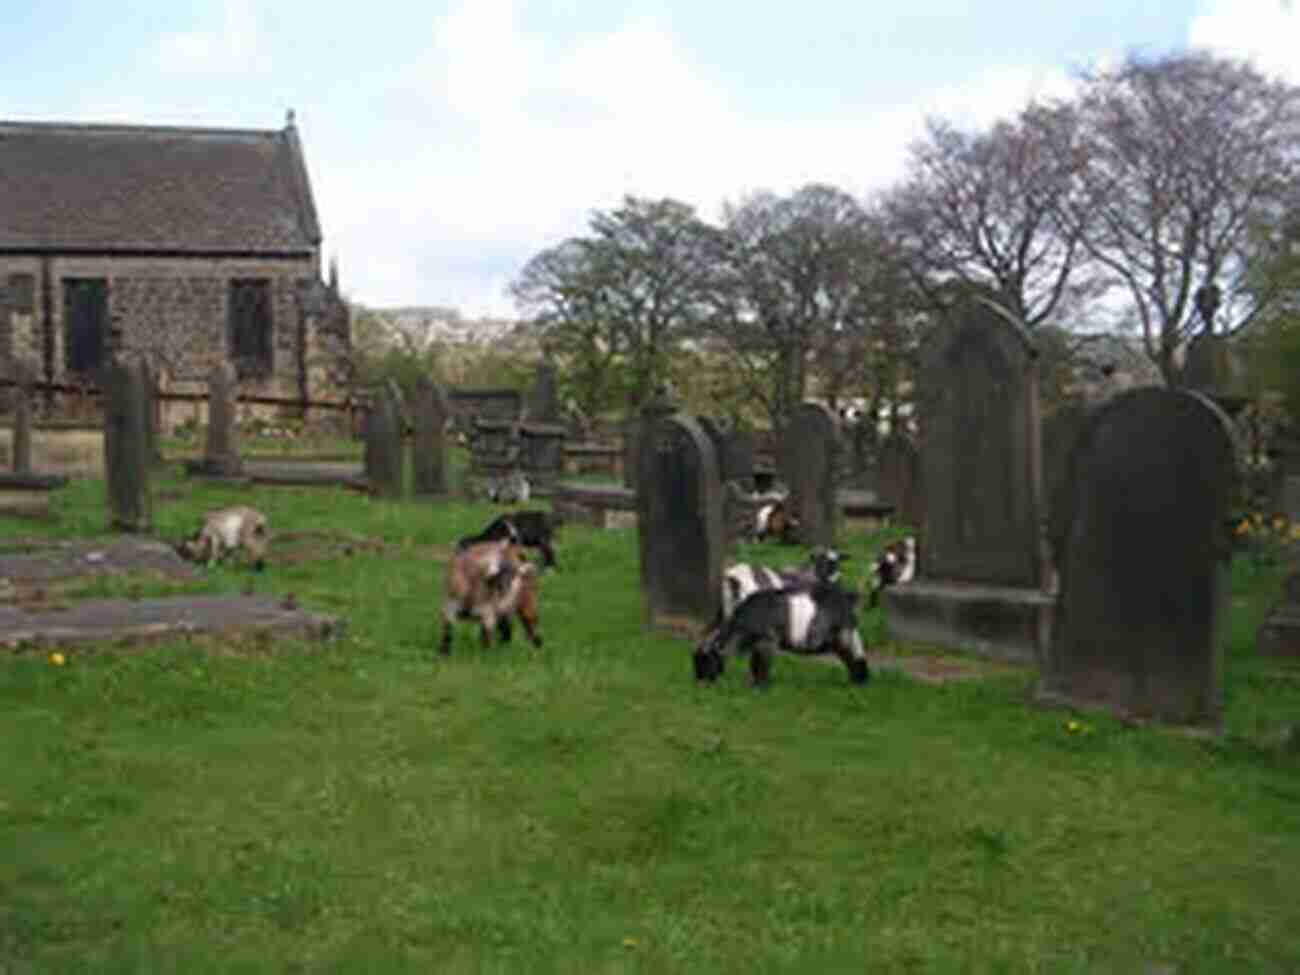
pixel 1189 157
pixel 985 208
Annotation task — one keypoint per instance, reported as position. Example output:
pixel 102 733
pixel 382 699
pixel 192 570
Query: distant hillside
pixel 437 324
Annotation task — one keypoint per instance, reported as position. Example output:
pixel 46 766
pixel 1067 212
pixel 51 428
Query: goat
pixel 491 582
pixel 228 530
pixel 895 564
pixel 531 529
pixel 513 489
pixel 816 620
pixel 741 579
pixel 773 520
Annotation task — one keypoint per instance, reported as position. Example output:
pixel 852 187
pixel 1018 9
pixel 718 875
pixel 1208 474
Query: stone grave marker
pixel 541 453
pixel 1144 543
pixel 679 524
pixel 429 440
pixel 126 457
pixel 544 401
pixel 22 442
pixel 899 479
pixel 385 469
pixel 221 454
pixel 980 453
pixel 149 391
pixel 811 467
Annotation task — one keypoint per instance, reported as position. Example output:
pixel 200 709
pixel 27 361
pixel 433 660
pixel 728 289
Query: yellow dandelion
pixel 1072 726
pixel 630 942
pixel 58 659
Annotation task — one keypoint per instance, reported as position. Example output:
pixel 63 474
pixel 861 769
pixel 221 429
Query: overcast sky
pixel 448 142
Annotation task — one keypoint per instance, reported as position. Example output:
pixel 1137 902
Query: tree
pixel 986 208
pixel 1189 158
pixel 636 287
pixel 793 282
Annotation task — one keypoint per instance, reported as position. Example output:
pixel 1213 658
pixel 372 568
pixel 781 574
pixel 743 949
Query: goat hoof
pixel 859 673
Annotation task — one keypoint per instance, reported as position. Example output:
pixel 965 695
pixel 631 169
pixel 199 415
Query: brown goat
pixel 491 582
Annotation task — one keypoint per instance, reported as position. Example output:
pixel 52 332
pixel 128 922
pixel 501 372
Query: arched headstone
pixel 679 523
pixel 385 470
pixel 429 441
pixel 811 460
pixel 1143 542
pixel 980 453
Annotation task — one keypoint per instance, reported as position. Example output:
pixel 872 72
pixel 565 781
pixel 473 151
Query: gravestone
pixel 126 457
pixel 544 402
pixel 899 479
pixel 1061 429
pixel 429 440
pixel 385 470
pixel 657 406
pixel 149 391
pixel 980 459
pixel 22 442
pixel 541 453
pixel 981 553
pixel 811 467
pixel 738 456
pixel 679 524
pixel 221 453
pixel 1144 547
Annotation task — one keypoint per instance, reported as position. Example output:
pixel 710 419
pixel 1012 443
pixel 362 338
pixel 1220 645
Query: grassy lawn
pixel 366 806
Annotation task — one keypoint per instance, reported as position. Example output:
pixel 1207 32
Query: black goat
pixel 531 529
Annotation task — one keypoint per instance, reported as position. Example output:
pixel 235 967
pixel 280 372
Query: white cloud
pixel 529 137
pixel 235 46
pixel 1266 32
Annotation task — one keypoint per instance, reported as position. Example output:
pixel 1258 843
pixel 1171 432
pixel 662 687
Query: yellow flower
pixel 1295 532
pixel 629 942
pixel 58 659
pixel 1279 524
pixel 1244 527
pixel 1072 726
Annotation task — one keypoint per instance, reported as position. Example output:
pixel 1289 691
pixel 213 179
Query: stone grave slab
pixel 27 494
pixel 138 622
pixel 43 566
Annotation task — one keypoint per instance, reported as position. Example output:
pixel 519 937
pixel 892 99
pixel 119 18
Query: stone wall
pixel 175 309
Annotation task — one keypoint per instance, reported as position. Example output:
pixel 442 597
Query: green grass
pixel 366 806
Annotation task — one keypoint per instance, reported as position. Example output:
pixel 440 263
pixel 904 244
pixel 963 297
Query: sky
pixel 449 142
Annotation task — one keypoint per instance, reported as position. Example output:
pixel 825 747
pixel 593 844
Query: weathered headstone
pixel 679 524
pixel 659 405
pixel 541 452
pixel 221 454
pixel 22 442
pixel 1061 429
pixel 149 391
pixel 980 453
pixel 811 467
pixel 898 479
pixel 544 401
pixel 429 442
pixel 126 457
pixel 385 471
pixel 1144 545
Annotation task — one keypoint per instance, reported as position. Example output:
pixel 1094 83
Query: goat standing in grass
pixel 814 620
pixel 895 565
pixel 491 582
pixel 225 531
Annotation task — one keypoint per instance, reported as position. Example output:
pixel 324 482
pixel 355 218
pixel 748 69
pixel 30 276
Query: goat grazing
pixel 228 530
pixel 820 619
pixel 896 564
pixel 491 582
pixel 531 529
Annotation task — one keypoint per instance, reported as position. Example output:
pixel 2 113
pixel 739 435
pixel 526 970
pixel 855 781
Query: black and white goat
pixel 774 520
pixel 531 529
pixel 818 619
pixel 744 578
pixel 514 488
pixel 895 564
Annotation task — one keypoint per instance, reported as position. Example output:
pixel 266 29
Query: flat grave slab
pixel 136 622
pixel 41 562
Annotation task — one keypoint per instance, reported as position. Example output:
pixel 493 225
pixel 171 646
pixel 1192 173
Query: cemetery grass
pixel 365 805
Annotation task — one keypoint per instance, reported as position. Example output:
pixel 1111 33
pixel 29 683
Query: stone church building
pixel 190 245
